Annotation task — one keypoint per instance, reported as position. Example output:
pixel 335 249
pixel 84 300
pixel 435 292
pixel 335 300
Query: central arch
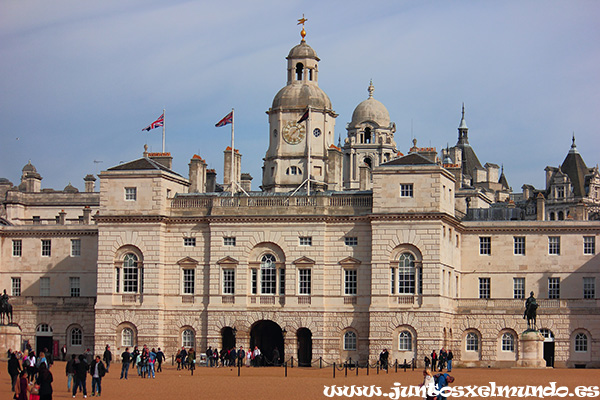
pixel 268 336
pixel 228 338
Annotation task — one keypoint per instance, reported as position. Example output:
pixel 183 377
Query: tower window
pixel 299 69
pixel 367 135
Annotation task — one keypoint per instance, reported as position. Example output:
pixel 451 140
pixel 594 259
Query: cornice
pixel 51 232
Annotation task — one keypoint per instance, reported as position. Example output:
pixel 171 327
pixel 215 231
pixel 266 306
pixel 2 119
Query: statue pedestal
pixel 10 338
pixel 532 350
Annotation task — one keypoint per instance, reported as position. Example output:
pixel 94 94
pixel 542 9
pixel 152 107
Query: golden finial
pixel 302 21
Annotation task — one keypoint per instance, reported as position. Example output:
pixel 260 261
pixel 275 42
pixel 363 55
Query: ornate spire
pixel 371 89
pixel 302 21
pixel 573 146
pixel 463 129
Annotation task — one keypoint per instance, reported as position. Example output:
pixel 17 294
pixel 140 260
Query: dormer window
pixel 299 70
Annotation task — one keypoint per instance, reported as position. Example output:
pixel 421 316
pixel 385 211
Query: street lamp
pixel 284 332
pixel 234 332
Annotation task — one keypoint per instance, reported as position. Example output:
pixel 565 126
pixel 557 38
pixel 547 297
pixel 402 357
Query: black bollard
pixel 320 362
pixel 367 367
pixel 405 365
pixel 377 367
pixel 292 362
pixel 346 369
pixel 285 367
pixel 334 369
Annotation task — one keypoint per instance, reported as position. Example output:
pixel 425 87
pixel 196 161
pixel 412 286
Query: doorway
pixel 304 336
pixel 268 337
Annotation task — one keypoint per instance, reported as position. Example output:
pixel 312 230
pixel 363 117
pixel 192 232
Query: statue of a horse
pixel 6 310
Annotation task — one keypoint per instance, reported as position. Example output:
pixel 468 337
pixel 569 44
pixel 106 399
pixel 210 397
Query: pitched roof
pixel 576 170
pixel 142 164
pixel 410 159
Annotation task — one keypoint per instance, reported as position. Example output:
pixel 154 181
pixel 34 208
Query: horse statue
pixel 5 309
pixel 530 313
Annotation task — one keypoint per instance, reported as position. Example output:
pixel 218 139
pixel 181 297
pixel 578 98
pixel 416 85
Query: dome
pixel 302 51
pixel 371 110
pixel 70 189
pixel 29 168
pixel 301 96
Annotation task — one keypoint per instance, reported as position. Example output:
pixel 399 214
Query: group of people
pixel 440 361
pixel 77 369
pixel 239 357
pixel 437 382
pixel 31 378
pixel 147 361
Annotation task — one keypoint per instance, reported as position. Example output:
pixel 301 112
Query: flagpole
pixel 232 151
pixel 308 137
pixel 164 123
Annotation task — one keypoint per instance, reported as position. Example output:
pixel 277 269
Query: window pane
pixel 484 288
pixel 589 245
pixel 305 281
pixel 15 287
pixel 46 248
pixel 508 342
pixel 187 338
pixel 268 274
pixel 405 341
pixel 589 288
pixel 554 288
pixel 519 245
pixel 485 246
pixel 519 288
pixel 350 341
pixel 130 274
pixel 76 337
pixel 75 247
pixel 127 337
pixel 229 281
pixel 406 274
pixel 189 281
pixel 44 286
pixel 472 342
pixel 17 248
pixel 350 281
pixel 74 285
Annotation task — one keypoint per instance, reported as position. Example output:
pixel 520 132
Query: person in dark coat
pixel 433 361
pixel 81 368
pixel 14 369
pixel 70 371
pixel 241 355
pixel 44 379
pixel 97 371
pixel 107 357
pixel 125 360
pixel 21 387
pixel 160 357
pixel 383 359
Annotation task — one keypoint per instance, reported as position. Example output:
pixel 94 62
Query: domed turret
pixel 302 50
pixel 300 97
pixel 29 168
pixel 70 189
pixel 371 110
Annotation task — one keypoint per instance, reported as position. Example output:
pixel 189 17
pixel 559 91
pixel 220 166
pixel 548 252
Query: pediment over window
pixel 350 262
pixel 187 261
pixel 228 261
pixel 304 261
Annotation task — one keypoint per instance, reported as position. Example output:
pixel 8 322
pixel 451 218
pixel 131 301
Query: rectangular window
pixel 393 280
pixel 282 282
pixel 74 284
pixel 130 193
pixel 44 286
pixel 189 281
pixel 589 288
pixel 554 245
pixel 519 245
pixel 350 282
pixel 484 288
pixel 589 245
pixel 254 282
pixel 554 288
pixel 130 279
pixel 485 245
pixel 351 241
pixel 406 278
pixel 305 240
pixel 229 241
pixel 15 287
pixel 75 247
pixel 46 248
pixel 189 242
pixel 37 220
pixel 229 281
pixel 406 190
pixel 304 280
pixel 17 246
pixel 117 280
pixel 518 288
pixel 268 279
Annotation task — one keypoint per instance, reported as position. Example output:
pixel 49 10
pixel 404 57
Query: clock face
pixel 317 132
pixel 293 133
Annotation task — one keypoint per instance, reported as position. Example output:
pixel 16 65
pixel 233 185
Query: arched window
pixel 405 341
pixel 508 342
pixel 581 343
pixel 406 274
pixel 43 328
pixel 268 274
pixel 187 338
pixel 561 216
pixel 367 135
pixel 76 337
pixel 299 69
pixel 350 341
pixel 127 337
pixel 368 162
pixel 472 342
pixel 130 273
pixel 547 334
pixel 551 216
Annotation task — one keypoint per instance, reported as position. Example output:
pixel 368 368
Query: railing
pixel 350 300
pixel 520 303
pixel 187 299
pixel 304 300
pixel 228 300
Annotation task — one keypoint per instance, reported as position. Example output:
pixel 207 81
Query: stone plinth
pixel 10 338
pixel 532 350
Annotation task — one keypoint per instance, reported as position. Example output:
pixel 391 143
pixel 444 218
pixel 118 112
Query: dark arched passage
pixel 227 338
pixel 304 336
pixel 268 336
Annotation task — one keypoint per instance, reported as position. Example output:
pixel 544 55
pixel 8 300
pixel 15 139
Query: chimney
pixel 62 217
pixel 237 169
pixel 87 215
pixel 163 159
pixel 197 175
pixel 541 207
pixel 246 182
pixel 211 180
pixel 364 177
pixel 90 183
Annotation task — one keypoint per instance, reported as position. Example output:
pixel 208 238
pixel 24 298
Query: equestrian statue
pixel 530 313
pixel 5 309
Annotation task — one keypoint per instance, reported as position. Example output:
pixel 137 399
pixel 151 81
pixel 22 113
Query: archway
pixel 43 339
pixel 304 336
pixel 227 338
pixel 268 336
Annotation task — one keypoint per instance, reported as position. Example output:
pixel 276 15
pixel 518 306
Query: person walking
pixel 209 360
pixel 433 361
pixel 449 357
pixel 21 386
pixel 383 359
pixel 97 370
pixel 241 356
pixel 107 357
pixel 14 369
pixel 160 357
pixel 70 371
pixel 151 363
pixel 81 368
pixel 44 380
pixel 63 352
pixel 428 384
pixel 125 361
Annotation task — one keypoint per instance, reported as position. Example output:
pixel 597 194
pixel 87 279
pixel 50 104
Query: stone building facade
pixel 408 252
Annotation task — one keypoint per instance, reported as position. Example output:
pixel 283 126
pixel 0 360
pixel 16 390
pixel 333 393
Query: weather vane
pixel 302 21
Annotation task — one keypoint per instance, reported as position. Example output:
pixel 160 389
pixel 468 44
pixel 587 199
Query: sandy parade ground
pixel 310 383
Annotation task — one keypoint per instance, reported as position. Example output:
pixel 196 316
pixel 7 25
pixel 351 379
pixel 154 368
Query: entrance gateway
pixel 268 336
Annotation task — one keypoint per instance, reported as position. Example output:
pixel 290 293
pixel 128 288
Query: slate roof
pixel 410 159
pixel 142 164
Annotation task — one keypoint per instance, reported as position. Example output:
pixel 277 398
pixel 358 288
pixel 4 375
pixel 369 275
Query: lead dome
pixel 371 110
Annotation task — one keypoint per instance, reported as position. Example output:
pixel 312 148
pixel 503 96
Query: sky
pixel 79 80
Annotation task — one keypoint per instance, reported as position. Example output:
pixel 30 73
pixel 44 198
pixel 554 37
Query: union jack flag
pixel 228 119
pixel 160 121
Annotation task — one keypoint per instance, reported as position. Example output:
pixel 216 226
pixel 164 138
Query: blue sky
pixel 79 80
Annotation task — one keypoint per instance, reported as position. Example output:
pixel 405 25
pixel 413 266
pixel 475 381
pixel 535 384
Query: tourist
pixel 63 352
pixel 428 384
pixel 125 360
pixel 209 353
pixel 21 387
pixel 134 356
pixel 160 357
pixel 70 371
pixel 449 357
pixel 30 363
pixel 433 361
pixel 383 359
pixel 241 356
pixel 97 370
pixel 151 362
pixel 14 369
pixel 44 380
pixel 81 368
pixel 107 357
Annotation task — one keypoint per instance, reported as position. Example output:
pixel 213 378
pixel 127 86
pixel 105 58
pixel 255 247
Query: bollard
pixel 285 367
pixel 377 367
pixel 292 361
pixel 413 364
pixel 367 367
pixel 320 362
pixel 356 369
pixel 334 369
pixel 405 365
pixel 346 369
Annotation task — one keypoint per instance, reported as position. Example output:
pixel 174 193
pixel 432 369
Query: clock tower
pixel 301 129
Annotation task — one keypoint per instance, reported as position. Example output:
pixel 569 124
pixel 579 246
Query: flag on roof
pixel 304 116
pixel 228 119
pixel 160 121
